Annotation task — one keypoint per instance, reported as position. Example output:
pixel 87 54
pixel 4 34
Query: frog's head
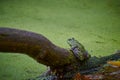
pixel 74 43
pixel 71 41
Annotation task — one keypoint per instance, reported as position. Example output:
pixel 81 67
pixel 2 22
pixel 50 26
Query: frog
pixel 78 49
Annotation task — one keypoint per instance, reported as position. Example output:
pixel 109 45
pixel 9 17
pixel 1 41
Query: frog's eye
pixel 72 38
pixel 69 39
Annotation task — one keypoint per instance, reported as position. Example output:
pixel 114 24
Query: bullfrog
pixel 78 49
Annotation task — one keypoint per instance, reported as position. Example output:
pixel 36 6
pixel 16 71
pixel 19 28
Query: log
pixel 63 63
pixel 35 46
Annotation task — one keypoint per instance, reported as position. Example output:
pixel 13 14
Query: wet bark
pixel 34 45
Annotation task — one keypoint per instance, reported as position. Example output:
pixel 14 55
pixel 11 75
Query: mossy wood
pixel 63 63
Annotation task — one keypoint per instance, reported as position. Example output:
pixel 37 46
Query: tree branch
pixel 34 45
pixel 62 62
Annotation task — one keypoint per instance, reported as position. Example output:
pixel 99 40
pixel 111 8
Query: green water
pixel 95 23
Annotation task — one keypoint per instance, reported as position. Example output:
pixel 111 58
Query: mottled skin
pixel 78 49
